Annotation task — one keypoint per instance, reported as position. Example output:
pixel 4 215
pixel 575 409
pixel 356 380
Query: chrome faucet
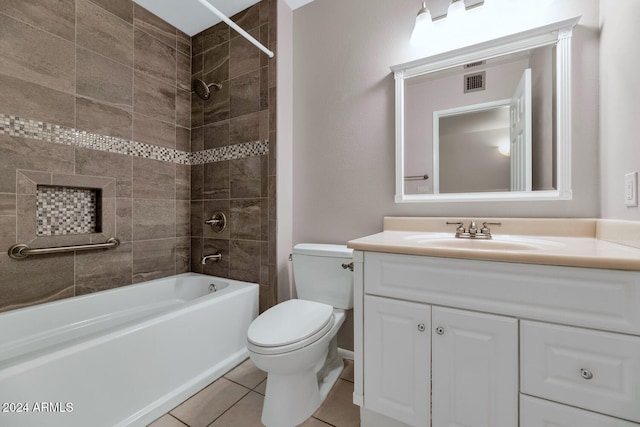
pixel 472 232
pixel 215 257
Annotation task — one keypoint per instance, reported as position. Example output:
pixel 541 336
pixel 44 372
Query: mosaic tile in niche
pixel 66 210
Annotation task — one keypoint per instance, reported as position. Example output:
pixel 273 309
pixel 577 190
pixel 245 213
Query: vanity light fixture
pixel 424 21
pixel 456 9
pixel 422 27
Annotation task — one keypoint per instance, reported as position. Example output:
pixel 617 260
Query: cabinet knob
pixel 421 327
pixel 440 330
pixel 347 266
pixel 586 374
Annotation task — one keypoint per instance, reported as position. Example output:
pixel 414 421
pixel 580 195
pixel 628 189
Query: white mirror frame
pixel 558 33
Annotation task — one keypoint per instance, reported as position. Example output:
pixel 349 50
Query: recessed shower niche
pixel 59 209
pixel 68 210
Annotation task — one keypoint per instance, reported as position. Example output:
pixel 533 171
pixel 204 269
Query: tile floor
pixel 235 400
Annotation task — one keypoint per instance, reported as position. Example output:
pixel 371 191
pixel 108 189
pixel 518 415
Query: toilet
pixel 295 342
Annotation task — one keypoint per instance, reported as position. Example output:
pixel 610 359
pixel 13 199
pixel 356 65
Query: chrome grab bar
pixel 416 177
pixel 21 250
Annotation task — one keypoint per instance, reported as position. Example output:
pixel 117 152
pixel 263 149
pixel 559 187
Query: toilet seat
pixel 289 326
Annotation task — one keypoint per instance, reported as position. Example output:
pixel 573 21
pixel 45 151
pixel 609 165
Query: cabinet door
pixel 397 359
pixel 475 369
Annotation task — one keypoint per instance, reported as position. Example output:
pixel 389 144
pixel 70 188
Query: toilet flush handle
pixel 349 266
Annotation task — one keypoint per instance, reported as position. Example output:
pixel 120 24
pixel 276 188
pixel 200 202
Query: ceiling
pixel 191 17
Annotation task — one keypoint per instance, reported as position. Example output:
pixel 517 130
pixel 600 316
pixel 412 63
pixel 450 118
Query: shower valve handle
pixel 218 222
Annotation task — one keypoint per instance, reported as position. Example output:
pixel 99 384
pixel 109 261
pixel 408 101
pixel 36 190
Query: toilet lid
pixel 289 322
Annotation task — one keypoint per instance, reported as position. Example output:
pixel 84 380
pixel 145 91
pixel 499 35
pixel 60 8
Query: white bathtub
pixel 124 356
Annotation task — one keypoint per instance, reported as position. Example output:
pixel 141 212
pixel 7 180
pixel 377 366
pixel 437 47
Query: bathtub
pixel 122 357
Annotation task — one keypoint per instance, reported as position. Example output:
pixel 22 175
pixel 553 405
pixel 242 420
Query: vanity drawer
pixel 584 297
pixel 542 413
pixel 599 371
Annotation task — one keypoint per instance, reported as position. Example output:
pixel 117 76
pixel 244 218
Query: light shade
pixel 456 9
pixel 422 27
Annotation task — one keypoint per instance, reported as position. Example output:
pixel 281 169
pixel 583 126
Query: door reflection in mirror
pixel 466 145
pixel 453 135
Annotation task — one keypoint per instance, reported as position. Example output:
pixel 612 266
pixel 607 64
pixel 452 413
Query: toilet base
pixel 300 393
pixel 330 372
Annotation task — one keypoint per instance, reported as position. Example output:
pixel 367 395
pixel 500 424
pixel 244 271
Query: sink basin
pixel 498 243
pixel 480 244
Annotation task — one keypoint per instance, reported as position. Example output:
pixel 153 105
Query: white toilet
pixel 295 341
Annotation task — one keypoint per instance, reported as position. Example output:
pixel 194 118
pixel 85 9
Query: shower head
pixel 202 89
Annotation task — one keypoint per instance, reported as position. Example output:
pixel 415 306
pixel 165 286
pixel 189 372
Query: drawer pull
pixel 586 374
pixel 421 327
pixel 440 330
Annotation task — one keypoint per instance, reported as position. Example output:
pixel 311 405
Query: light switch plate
pixel 631 189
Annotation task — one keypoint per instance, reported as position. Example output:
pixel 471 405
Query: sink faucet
pixel 472 232
pixel 215 257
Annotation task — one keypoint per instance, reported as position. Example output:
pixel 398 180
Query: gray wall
pixel 619 104
pixel 343 120
pixel 343 154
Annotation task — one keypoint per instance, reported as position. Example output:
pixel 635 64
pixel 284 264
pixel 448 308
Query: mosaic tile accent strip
pixel 238 151
pixel 25 128
pixel 65 210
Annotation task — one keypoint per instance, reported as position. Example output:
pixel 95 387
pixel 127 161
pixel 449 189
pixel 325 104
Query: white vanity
pixel 540 327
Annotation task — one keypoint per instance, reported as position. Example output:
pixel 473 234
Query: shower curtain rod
pixel 236 27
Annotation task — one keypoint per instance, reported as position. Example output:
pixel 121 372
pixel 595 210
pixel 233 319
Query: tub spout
pixel 215 257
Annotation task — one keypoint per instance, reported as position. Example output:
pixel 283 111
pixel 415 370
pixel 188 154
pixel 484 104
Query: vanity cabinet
pixel 448 342
pixel 472 357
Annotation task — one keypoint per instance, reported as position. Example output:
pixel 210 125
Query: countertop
pixel 592 243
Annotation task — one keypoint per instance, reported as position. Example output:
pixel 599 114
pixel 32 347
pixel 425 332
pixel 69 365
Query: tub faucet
pixel 215 257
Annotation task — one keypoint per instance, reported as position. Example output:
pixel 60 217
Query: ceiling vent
pixel 474 64
pixel 474 82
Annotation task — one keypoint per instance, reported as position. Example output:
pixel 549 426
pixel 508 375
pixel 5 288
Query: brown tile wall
pixel 109 67
pixel 243 110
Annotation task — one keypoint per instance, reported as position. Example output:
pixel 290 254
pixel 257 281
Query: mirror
pixel 487 122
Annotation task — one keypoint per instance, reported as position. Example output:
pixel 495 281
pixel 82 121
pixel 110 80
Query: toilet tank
pixel 319 276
